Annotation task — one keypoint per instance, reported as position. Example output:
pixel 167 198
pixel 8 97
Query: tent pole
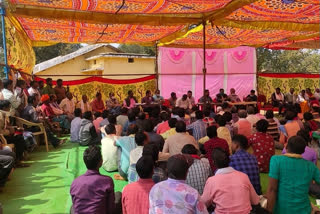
pixel 5 68
pixel 156 66
pixel 204 69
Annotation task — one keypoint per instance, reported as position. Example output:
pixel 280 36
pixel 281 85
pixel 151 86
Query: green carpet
pixel 43 188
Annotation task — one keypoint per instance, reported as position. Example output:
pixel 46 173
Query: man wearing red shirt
pixel 97 104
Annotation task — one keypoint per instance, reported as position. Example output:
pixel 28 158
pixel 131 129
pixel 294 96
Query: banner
pixel 90 86
pixel 267 82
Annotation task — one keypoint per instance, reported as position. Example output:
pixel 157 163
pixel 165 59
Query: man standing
pixel 206 97
pixel 48 89
pixel 198 127
pixel 174 195
pixel 60 91
pixel 130 101
pixel 93 192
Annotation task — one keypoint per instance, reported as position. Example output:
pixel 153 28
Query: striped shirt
pixel 198 129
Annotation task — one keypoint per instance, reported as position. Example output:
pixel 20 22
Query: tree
pixel 138 49
pixel 49 52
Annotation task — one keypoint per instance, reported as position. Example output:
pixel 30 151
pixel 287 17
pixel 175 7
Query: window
pixel 130 60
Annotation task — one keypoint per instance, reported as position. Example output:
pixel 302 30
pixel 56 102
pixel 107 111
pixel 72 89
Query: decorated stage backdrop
pixel 181 70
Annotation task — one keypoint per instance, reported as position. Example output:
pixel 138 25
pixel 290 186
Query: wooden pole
pixel 204 69
pixel 156 66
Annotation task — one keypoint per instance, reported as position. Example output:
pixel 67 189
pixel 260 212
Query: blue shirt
pixel 127 144
pixel 126 126
pixel 248 164
pixel 199 129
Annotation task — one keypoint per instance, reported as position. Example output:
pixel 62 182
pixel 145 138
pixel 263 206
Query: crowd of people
pixel 177 156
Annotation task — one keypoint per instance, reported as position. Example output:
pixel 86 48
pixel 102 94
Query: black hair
pixel 199 115
pixel 307 116
pixel 98 94
pixel 290 115
pixel 181 126
pixel 112 119
pixel 148 125
pixel 305 135
pixel 172 122
pixel 59 80
pixel 129 92
pixel 77 112
pixel 124 110
pixel 155 112
pixel 6 83
pixel 222 121
pixel 177 167
pixel 278 88
pixel 97 114
pixel 144 167
pixel 206 113
pixel 189 91
pixel 4 104
pixel 164 116
pixel 184 96
pixel 251 110
pixel 31 99
pixel 189 149
pixel 151 149
pixel 227 116
pixel 296 145
pixel 252 91
pixel 20 83
pixel 92 157
pixel 48 80
pixel 212 131
pixel 224 105
pixel 262 125
pixel 110 129
pixel 140 137
pixel 105 114
pixel 132 129
pixel 40 82
pixel 172 94
pixel 269 114
pixel 220 158
pixel 148 91
pixel 181 112
pixel 87 115
pixel 241 140
pixel 136 111
pixel 32 83
pixel 131 116
pixel 242 114
pixel 141 116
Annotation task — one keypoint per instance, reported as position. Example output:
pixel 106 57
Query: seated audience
pixel 7 93
pixel 244 162
pixel 223 132
pixel 87 132
pixel 164 126
pixel 235 116
pixel 252 97
pixel 152 136
pixel 191 98
pixel 206 97
pixel 104 121
pixel 131 120
pixel 176 142
pixel 41 87
pixel 252 117
pixel 274 124
pixel 75 126
pixel 233 97
pixel 109 150
pixel 148 99
pixel 244 127
pixel 157 97
pixel 60 91
pixel 221 97
pixel 173 99
pixel 278 99
pixel 178 197
pixel 113 104
pixel 96 121
pixel 84 104
pixel 291 127
pixel 68 105
pixel 48 89
pixel 155 116
pixel 33 90
pixel 198 127
pixel 126 144
pixel 291 97
pixel 135 196
pixel 20 94
pixel 199 171
pixel 55 106
pixel 130 101
pixel 209 121
pixel 309 123
pixel 92 192
pixel 262 145
pixel 183 102
pixel 230 190
pixel 289 180
pixel 140 119
pixel 229 124
pixel 172 124
pixel 113 120
pixel 97 104
pixel 213 143
pixel 303 102
pixel 122 118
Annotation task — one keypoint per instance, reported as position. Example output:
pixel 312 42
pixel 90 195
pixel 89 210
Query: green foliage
pixel 49 52
pixel 138 49
pixel 285 61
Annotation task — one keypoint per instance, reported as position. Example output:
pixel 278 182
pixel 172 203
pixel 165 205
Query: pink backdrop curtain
pixel 180 70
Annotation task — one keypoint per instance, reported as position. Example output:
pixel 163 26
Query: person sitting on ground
pixel 7 93
pixel 235 116
pixel 180 197
pixel 141 118
pixel 75 126
pixel 212 143
pixel 198 127
pixel 176 142
pixel 206 97
pixel 172 124
pixel 227 185
pixel 262 145
pixel 130 101
pixel 183 102
pixel 113 120
pixel 244 162
pixel 96 121
pixel 157 97
pixel 278 100
pixel 252 97
pixel 230 126
pixel 33 90
pixel 109 149
pixel 60 91
pixel 152 136
pixel 233 97
pixel 123 117
pixel 135 196
pixel 273 127
pixel 87 133
pixel 126 144
pixel 244 127
pixel 113 104
pixel 84 104
pixel 252 117
pixel 141 139
pixel 199 171
pixel 164 126
pixel 207 119
pixel 68 105
pixel 289 179
pixel 309 123
pixel 131 120
pixel 290 128
pixel 173 99
pixel 155 116
pixel 48 112
pixel 105 121
pixel 92 192
pixel 97 104
pixel 223 132
pixel 48 89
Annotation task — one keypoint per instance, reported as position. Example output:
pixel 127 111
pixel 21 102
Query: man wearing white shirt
pixel 68 105
pixel 191 98
pixel 317 94
pixel 33 90
pixel 7 93
pixel 183 102
pixel 109 149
